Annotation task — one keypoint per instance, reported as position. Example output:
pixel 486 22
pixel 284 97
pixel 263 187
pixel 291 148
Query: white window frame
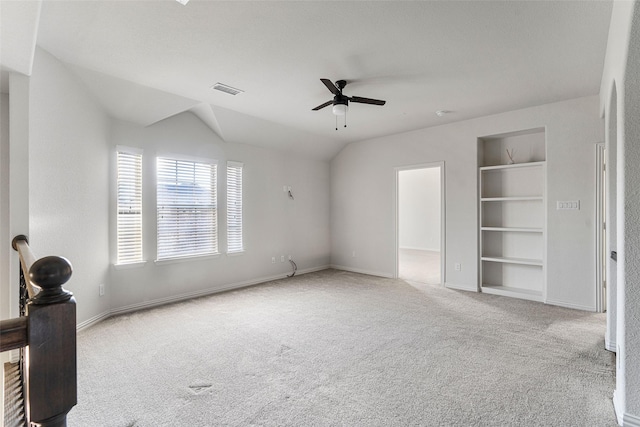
pixel 181 238
pixel 235 228
pixel 129 216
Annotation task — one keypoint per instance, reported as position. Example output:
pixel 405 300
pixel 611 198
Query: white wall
pixel 419 209
pixel 71 195
pixel 274 225
pixel 363 194
pixel 69 179
pixel 620 101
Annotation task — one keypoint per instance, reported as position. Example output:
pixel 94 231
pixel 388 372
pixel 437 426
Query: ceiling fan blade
pixel 367 100
pixel 329 84
pixel 326 104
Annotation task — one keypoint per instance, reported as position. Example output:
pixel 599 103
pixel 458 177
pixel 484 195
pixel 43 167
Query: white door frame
pixel 600 229
pixel 399 169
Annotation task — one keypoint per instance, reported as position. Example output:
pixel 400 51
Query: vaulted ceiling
pixel 148 60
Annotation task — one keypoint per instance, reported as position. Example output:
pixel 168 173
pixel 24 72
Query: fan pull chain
pixel 345 119
pixel 336 122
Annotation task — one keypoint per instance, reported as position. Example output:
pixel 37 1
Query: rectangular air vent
pixel 226 89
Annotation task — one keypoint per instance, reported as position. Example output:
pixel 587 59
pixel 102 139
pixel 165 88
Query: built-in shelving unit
pixel 512 214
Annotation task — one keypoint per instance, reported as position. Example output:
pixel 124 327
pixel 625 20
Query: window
pixel 129 205
pixel 187 211
pixel 234 207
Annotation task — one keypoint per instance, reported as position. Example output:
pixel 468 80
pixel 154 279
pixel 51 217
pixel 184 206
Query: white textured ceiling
pixel 473 58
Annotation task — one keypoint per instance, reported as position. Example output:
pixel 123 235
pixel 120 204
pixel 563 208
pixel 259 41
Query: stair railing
pixel 45 333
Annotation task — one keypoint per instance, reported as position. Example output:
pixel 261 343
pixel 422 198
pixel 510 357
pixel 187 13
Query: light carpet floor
pixel 334 348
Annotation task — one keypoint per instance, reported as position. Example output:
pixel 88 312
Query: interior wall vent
pixel 226 89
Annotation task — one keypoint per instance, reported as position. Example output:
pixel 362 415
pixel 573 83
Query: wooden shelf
pixel 513 166
pixel 512 199
pixel 507 291
pixel 513 229
pixel 519 261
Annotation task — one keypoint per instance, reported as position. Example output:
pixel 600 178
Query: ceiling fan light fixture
pixel 183 2
pixel 340 109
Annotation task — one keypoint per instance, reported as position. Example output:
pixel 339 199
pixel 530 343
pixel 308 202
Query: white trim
pixel 571 305
pixel 92 321
pixel 361 271
pixel 443 217
pixel 182 297
pixel 179 259
pixel 601 260
pixel 128 265
pixel 450 285
pixel 625 419
pixel 617 407
pixel 236 253
pixel 629 420
pixel 513 166
pixel 610 345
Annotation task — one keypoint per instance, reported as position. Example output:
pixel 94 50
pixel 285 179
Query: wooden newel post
pixel 50 380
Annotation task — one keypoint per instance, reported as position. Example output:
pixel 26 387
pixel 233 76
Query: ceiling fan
pixel 340 101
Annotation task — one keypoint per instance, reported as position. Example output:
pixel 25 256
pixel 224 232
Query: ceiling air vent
pixel 226 89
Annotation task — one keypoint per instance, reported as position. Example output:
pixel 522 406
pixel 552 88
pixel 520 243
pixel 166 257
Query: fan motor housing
pixel 340 99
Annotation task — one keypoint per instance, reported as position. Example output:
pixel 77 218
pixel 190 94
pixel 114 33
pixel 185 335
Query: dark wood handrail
pixel 13 334
pixel 47 331
pixel 20 244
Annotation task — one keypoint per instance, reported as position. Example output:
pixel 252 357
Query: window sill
pixel 128 265
pixel 186 259
pixel 236 253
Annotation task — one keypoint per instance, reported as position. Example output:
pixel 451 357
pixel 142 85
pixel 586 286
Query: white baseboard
pixel 625 419
pixel 361 271
pixel 186 296
pixel 450 285
pixel 610 345
pixel 617 408
pixel 571 305
pixel 629 420
pixel 95 319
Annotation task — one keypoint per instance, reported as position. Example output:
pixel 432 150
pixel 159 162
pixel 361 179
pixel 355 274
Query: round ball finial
pixel 50 273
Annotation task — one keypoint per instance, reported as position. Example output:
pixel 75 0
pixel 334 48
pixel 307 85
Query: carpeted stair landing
pixel 334 348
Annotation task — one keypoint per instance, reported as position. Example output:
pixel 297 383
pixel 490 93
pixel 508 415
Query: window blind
pixel 234 207
pixel 187 211
pixel 129 201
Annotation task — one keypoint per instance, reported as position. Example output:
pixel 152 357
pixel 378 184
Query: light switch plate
pixel 569 205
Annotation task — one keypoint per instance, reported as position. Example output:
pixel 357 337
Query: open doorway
pixel 420 223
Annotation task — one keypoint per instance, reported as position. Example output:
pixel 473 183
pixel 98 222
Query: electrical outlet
pixel 458 266
pixel 281 258
pixel 273 260
pixel 101 289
